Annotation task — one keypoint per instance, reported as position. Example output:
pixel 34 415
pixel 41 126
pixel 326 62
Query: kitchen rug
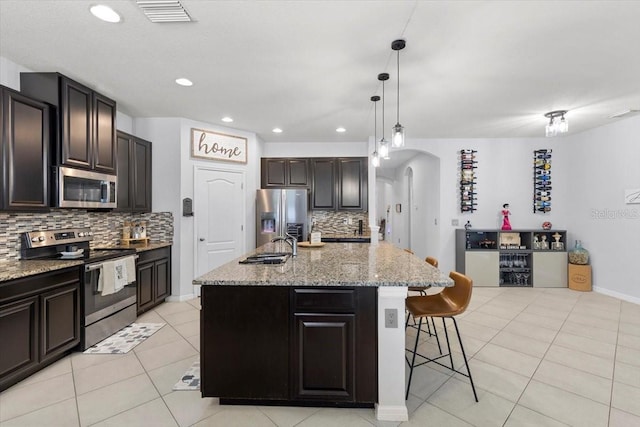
pixel 125 339
pixel 190 380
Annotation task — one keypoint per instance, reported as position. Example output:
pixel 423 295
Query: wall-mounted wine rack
pixel 542 181
pixel 468 165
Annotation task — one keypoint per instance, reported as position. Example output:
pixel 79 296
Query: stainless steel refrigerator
pixel 279 212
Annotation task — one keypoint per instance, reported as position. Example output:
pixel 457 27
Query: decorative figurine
pixel 544 244
pixel 467 226
pixel 546 225
pixel 557 245
pixel 506 225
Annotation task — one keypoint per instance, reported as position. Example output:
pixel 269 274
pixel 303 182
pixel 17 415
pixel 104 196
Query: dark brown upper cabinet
pixel 134 173
pixel 24 152
pixel 285 173
pixel 339 183
pixel 85 120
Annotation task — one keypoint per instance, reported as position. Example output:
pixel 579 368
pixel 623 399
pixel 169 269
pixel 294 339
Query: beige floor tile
pixel 524 417
pixel 97 376
pixel 81 360
pixel 183 316
pixel 628 355
pixel 369 414
pixel 194 302
pixel 456 397
pixel 579 360
pixel 526 330
pixel 631 341
pixel 62 366
pixel 105 402
pixel 590 321
pixel 587 345
pixel 522 344
pixel 485 319
pixel 579 382
pixel 62 414
pixel 507 313
pixel 626 398
pixel 287 416
pixel 480 332
pixel 505 358
pixel 154 413
pixel 537 320
pixel 188 407
pixel 630 328
pixel 167 334
pixel 627 374
pixel 234 416
pixel 195 342
pixel 597 312
pixel 545 311
pixel 498 381
pixel 429 415
pixel 165 354
pixel 619 418
pixel 150 317
pixel 165 377
pixel 564 406
pixel 597 334
pixel 167 308
pixel 17 401
pixel 188 329
pixel 329 417
pixel 426 380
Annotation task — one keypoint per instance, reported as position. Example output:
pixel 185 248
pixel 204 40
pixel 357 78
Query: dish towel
pixel 115 275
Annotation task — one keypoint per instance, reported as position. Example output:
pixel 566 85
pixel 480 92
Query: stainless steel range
pixel 102 313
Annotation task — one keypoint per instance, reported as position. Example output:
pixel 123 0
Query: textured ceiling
pixel 470 69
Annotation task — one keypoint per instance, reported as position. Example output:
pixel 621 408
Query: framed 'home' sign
pixel 209 145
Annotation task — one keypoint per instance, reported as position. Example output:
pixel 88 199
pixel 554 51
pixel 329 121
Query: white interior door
pixel 219 217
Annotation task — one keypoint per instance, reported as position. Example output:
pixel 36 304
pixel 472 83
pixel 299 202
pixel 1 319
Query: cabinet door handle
pixel 202 239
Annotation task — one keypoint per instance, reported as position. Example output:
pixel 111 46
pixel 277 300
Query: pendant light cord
pixel 398 109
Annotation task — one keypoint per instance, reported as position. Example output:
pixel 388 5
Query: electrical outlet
pixel 455 222
pixel 345 221
pixel 349 221
pixel 390 317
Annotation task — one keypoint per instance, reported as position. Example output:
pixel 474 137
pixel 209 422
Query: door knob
pixel 202 239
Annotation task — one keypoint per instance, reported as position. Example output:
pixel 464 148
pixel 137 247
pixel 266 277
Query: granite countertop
pixel 16 269
pixel 334 264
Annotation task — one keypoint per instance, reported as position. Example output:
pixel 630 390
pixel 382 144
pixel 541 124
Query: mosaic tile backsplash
pixel 333 222
pixel 106 226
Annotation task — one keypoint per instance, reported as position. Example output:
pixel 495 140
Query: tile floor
pixel 549 357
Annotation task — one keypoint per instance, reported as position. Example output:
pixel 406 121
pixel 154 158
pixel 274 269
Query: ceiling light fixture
pixel 184 82
pixel 341 130
pixel 375 157
pixel 105 13
pixel 276 130
pixel 384 144
pixel 557 123
pixel 227 119
pixel 397 135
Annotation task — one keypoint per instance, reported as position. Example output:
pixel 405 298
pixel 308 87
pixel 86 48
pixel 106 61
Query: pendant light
pixel 384 144
pixel 397 135
pixel 375 157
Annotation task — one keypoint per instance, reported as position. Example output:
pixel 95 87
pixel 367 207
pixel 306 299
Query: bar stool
pixel 422 291
pixel 447 304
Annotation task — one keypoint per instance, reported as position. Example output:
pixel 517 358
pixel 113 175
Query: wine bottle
pixel 544 151
pixel 543 199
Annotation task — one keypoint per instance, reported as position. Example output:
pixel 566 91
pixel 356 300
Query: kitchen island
pixel 311 331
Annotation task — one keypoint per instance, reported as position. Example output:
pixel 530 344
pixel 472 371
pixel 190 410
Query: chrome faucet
pixel 291 240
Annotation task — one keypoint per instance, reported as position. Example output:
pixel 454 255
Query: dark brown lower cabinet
pixel 300 346
pixel 39 322
pixel 153 278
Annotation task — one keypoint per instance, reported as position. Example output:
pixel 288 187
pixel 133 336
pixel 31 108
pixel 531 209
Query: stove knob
pixel 41 238
pixel 81 234
pixel 34 239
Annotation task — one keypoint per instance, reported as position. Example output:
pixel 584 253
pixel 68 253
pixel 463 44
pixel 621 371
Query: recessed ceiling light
pixel 105 13
pixel 227 119
pixel 341 130
pixel 184 82
pixel 276 130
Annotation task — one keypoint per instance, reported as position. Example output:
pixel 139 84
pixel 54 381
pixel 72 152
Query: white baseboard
pixel 179 298
pixel 392 413
pixel 615 294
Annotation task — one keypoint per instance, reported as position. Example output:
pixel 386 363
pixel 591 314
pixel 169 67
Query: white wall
pixel 603 163
pixel 10 73
pixel 315 149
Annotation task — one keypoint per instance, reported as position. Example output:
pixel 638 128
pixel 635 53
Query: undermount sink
pixel 267 258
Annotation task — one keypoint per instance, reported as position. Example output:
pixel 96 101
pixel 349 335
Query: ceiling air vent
pixel 161 11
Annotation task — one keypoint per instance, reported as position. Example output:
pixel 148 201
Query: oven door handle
pixel 98 266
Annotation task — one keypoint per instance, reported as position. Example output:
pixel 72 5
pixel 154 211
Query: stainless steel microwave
pixel 78 188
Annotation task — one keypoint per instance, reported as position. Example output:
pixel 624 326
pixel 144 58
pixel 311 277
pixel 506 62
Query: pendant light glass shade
pixel 397 134
pixel 384 149
pixel 375 159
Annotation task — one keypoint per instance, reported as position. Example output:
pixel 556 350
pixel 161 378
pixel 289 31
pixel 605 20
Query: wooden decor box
pixel 580 277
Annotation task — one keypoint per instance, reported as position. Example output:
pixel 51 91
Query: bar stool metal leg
pixel 413 360
pixel 464 356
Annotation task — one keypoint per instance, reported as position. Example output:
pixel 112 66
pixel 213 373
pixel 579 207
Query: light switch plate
pixel 455 222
